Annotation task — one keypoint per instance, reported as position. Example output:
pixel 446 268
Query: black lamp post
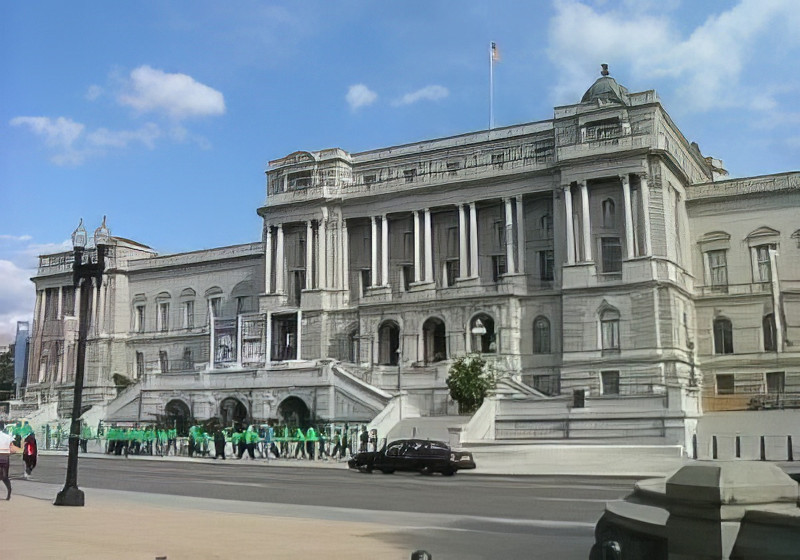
pixel 82 274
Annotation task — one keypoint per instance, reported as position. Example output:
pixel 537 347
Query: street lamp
pixel 82 274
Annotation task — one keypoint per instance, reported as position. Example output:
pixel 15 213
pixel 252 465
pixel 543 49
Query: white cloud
pixel 708 64
pixel 16 299
pixel 146 135
pixel 428 93
pixel 178 95
pixel 58 133
pixel 94 92
pixel 6 237
pixel 359 95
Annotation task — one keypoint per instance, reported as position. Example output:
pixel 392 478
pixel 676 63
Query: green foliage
pixel 469 380
pixel 6 371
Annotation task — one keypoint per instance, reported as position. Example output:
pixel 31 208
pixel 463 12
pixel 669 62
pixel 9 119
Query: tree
pixel 6 371
pixel 469 380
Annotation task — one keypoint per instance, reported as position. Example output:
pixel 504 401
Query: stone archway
pixel 388 343
pixel 178 416
pixel 232 412
pixel 434 340
pixel 293 412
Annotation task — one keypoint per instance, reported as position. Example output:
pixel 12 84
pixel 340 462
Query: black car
pixel 416 455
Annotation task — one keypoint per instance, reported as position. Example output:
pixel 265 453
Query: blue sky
pixel 163 115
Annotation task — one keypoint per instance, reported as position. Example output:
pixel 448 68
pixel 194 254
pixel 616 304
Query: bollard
pixel 738 447
pixel 694 446
pixel 789 450
pixel 763 448
pixel 421 555
pixel 713 447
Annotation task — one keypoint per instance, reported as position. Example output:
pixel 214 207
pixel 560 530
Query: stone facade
pixel 579 255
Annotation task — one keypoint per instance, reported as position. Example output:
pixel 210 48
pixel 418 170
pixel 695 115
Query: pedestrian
pixel 345 441
pixel 250 439
pixel 364 439
pixel 219 444
pixel 323 445
pixel 337 445
pixel 269 435
pixel 30 452
pixel 311 440
pixel 300 448
pixel 86 435
pixel 172 439
pixel 7 447
pixel 373 439
pixel 236 439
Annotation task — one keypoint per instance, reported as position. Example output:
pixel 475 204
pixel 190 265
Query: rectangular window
pixel 452 242
pixel 370 179
pixel 764 270
pixel 610 381
pixel 366 281
pixel 499 235
pixel 725 385
pixel 216 306
pixel 139 364
pixel 451 271
pixel 138 318
pixel 612 254
pixel 408 246
pixel 407 272
pixel 163 317
pixel 163 362
pixel 410 175
pixel 188 314
pixel 498 267
pixel 776 382
pixel 718 269
pixel 498 160
pixel 546 260
pixel 547 384
pixel 610 333
pixel 578 398
pixel 453 167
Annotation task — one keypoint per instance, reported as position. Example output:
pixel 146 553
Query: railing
pixel 735 289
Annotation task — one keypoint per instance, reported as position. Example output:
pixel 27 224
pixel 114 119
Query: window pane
pixel 776 382
pixel 612 254
pixel 723 336
pixel 725 385
pixel 610 381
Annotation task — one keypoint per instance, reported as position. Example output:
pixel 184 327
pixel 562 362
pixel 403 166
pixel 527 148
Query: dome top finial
pixel 604 71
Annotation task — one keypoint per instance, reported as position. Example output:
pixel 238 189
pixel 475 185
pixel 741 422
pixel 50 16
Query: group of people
pixel 147 440
pixel 13 439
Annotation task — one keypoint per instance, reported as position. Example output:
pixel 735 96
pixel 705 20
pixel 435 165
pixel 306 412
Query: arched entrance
pixel 388 343
pixel 434 340
pixel 293 412
pixel 482 334
pixel 178 416
pixel 232 412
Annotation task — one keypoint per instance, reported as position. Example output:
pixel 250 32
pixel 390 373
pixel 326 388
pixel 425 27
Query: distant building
pixel 21 347
pixel 609 272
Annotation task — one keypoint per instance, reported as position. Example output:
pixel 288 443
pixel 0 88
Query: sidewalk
pixel 135 526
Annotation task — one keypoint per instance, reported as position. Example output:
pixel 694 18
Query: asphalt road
pixel 467 516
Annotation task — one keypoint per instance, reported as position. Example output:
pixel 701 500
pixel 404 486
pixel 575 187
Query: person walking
pixel 364 439
pixel 311 440
pixel 300 448
pixel 30 452
pixel 219 444
pixel 269 435
pixel 7 447
pixel 86 435
pixel 248 443
pixel 337 445
pixel 345 441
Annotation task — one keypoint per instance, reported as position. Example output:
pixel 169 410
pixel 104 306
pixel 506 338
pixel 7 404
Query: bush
pixel 469 380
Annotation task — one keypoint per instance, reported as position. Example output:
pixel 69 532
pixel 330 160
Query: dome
pixel 606 89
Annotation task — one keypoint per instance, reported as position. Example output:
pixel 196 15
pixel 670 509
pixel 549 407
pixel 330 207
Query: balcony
pixel 752 288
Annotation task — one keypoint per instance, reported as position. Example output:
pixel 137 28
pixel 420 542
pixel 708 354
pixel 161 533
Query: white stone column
pixel 101 307
pixel 463 270
pixel 646 210
pixel 776 299
pixel 510 268
pixel 586 222
pixel 299 334
pixel 323 254
pixel 42 297
pixel 417 261
pixel 60 298
pixel 239 341
pixel 428 246
pixel 384 251
pixel 345 257
pixel 93 307
pixel 374 239
pixel 520 235
pixel 211 322
pixel 268 262
pixel 268 352
pixel 473 240
pixel 570 224
pixel 279 264
pixel 310 255
pixel 626 194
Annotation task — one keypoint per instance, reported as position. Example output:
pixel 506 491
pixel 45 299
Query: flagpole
pixel 491 86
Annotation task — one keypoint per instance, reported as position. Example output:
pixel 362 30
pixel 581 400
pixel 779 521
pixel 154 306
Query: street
pixel 466 516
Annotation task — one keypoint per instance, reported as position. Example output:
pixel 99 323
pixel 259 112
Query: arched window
pixel 541 336
pixel 388 344
pixel 434 340
pixel 483 339
pixel 609 214
pixel 723 336
pixel 770 340
pixel 609 329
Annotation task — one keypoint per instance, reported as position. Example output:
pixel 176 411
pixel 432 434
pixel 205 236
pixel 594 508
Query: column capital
pixel 643 175
pixel 624 177
pixel 566 187
pixel 581 183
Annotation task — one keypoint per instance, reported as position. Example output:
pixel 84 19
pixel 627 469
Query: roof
pixel 606 89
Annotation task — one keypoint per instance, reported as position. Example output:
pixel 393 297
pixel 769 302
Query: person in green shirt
pixel 311 440
pixel 250 441
pixel 236 440
pixel 300 438
pixel 86 435
pixel 172 441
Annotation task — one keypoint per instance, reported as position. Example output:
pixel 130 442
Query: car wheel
pixel 426 471
pixel 448 472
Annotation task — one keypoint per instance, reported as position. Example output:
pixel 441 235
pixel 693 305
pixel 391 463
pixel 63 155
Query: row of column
pixel 573 248
pixel 423 247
